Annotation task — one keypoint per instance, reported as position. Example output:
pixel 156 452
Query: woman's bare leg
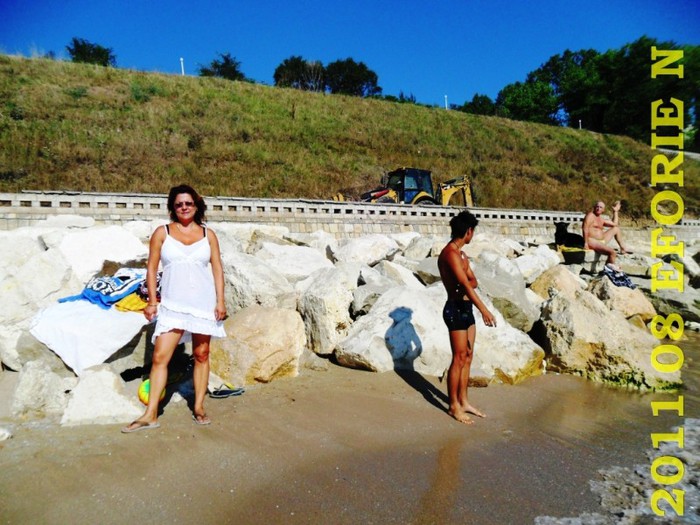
pixel 165 346
pixel 200 349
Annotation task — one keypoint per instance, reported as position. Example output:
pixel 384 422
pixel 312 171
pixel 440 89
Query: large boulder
pixel 369 249
pixel 582 336
pixel 398 274
pixel 487 242
pixel 364 297
pixel 295 263
pixel 503 354
pixel 558 279
pixel 240 235
pixel 100 398
pixel 404 239
pixel 668 301
pixel 40 392
pixel 42 277
pixel 419 248
pixel 629 302
pixel 502 281
pixel 324 306
pixel 403 330
pixel 536 262
pixel 427 270
pixel 250 281
pixel 320 240
pixel 263 344
pixel 86 250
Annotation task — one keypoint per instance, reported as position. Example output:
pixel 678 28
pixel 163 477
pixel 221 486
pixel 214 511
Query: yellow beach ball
pixel 145 391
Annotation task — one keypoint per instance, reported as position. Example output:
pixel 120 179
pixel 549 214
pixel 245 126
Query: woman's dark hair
pixel 196 197
pixel 461 222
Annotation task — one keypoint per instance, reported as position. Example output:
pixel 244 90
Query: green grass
pixel 66 126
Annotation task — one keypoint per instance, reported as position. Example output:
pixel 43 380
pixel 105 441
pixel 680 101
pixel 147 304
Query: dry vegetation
pixel 66 126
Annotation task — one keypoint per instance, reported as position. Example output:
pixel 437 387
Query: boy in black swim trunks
pixel 460 283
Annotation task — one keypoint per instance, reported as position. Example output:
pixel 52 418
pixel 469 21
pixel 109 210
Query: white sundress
pixel 188 295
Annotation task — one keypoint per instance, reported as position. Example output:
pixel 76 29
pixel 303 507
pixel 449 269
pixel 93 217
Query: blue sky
pixel 430 49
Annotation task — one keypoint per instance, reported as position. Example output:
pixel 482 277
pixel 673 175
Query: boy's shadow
pixel 405 347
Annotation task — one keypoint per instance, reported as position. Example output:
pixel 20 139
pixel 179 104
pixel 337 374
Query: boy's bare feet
pixel 460 416
pixel 471 410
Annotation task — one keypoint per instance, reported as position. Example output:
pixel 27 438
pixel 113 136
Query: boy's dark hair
pixel 196 197
pixel 461 222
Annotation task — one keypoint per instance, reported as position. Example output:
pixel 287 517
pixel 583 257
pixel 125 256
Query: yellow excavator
pixel 415 186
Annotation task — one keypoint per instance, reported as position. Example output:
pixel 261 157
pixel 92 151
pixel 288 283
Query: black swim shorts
pixel 458 315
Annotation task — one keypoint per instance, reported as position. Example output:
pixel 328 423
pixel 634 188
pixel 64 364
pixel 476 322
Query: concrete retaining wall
pixel 343 219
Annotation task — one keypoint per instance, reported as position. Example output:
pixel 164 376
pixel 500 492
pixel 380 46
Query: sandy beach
pixel 336 446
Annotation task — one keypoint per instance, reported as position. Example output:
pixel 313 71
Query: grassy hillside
pixel 66 126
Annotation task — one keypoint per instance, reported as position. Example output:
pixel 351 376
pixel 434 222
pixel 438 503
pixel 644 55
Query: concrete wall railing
pixel 343 219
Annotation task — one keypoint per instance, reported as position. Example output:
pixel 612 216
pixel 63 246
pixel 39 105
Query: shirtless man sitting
pixel 596 236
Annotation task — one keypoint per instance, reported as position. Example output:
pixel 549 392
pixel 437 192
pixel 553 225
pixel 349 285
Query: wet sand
pixel 340 446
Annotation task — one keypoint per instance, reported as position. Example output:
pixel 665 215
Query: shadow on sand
pixel 405 347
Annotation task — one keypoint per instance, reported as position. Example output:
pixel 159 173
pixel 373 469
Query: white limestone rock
pixel 369 249
pixel 364 297
pixel 295 263
pixel 320 240
pixel 372 276
pixel 501 280
pixel 40 392
pixel 538 261
pixel 263 344
pixel 403 330
pixel 250 281
pixel 629 302
pixel 404 239
pixel 239 234
pixel 86 250
pixel 398 274
pixel 582 336
pixel 503 354
pixel 324 306
pixel 100 398
pixel 558 279
pixel 428 272
pixel 419 248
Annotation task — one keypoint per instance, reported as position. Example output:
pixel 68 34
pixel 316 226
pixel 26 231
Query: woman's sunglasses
pixel 182 204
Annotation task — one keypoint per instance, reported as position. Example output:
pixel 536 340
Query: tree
pixel 576 80
pixel 80 50
pixel 227 67
pixel 479 105
pixel 351 78
pixel 533 100
pixel 295 72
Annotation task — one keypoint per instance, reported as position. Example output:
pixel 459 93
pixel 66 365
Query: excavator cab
pixel 412 185
pixel 415 186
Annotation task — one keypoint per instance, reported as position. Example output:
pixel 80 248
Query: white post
pixel 579 123
pixel 182 66
pixel 446 107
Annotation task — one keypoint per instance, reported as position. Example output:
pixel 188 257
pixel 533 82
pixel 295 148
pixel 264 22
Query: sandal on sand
pixel 136 426
pixel 201 419
pixel 226 390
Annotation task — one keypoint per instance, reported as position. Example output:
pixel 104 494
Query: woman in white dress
pixel 192 299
